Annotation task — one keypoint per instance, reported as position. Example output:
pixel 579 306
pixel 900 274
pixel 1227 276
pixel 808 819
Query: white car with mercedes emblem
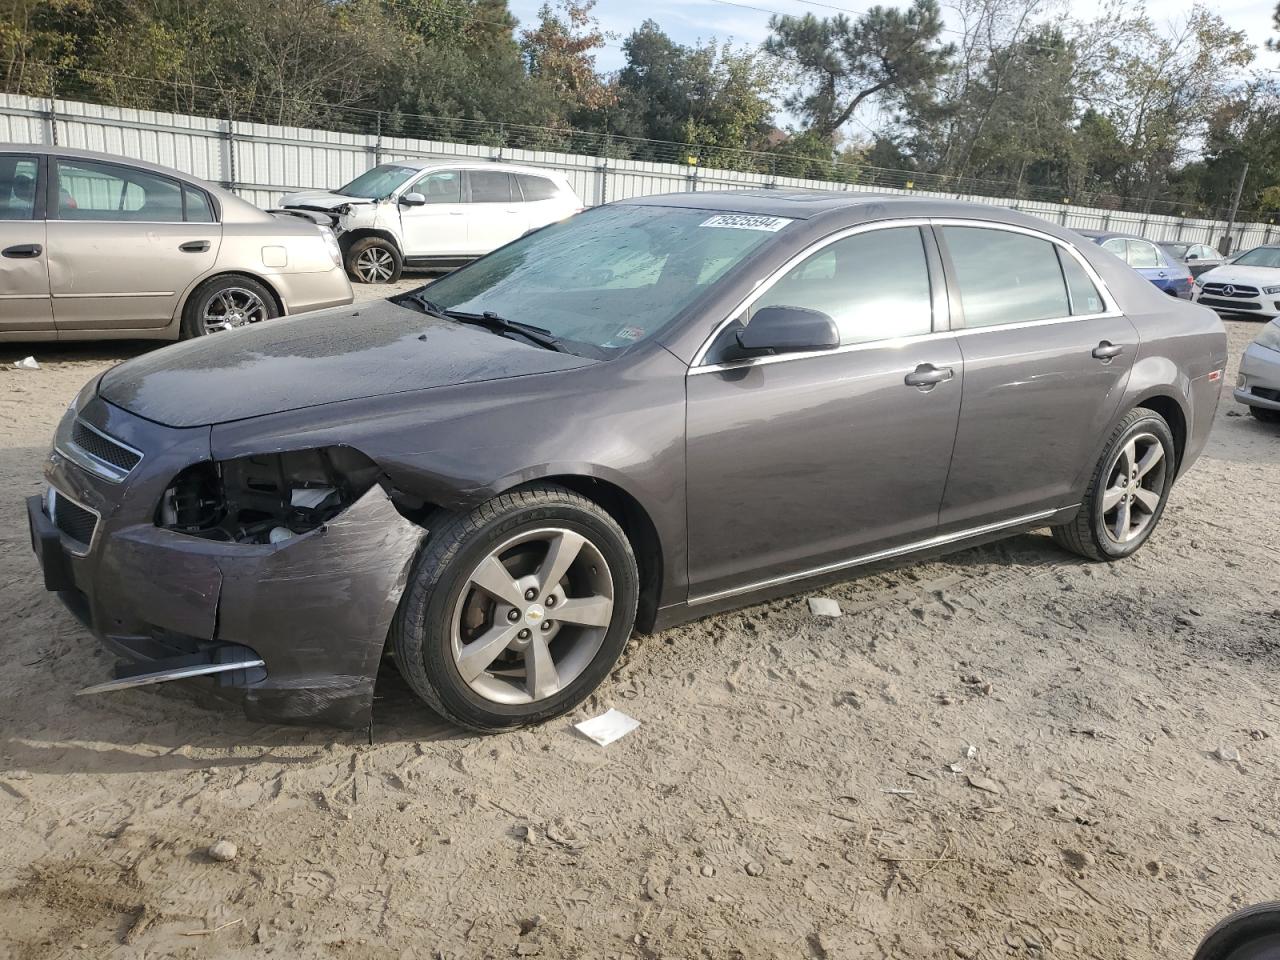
pixel 1247 284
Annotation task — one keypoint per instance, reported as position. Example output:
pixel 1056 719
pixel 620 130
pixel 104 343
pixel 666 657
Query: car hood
pixel 1253 276
pixel 320 199
pixel 348 353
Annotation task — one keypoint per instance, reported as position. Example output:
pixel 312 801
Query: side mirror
pixel 775 330
pixel 412 200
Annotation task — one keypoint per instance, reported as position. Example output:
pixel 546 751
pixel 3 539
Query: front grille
pixel 1238 290
pixel 101 447
pixel 72 519
pixel 1232 304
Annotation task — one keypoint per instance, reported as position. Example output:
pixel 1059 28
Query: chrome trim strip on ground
pixel 163 676
pixel 878 555
pixel 53 495
pixel 96 465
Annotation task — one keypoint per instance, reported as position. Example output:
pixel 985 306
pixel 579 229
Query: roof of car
pixel 468 162
pixel 1113 235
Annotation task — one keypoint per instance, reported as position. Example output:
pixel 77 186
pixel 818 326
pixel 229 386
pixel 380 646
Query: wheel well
pixel 1168 408
pixel 638 527
pixel 351 236
pixel 275 295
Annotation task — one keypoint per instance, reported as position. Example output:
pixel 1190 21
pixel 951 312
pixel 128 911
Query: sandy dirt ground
pixel 1006 753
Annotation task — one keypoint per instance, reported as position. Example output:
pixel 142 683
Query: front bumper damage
pixel 314 609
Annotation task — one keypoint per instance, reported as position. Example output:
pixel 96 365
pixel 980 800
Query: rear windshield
pixel 1259 257
pixel 610 277
pixel 379 182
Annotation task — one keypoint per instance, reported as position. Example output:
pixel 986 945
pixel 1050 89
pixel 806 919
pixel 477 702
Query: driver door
pixel 804 461
pixel 437 228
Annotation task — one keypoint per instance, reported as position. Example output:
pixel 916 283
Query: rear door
pixel 124 243
pixel 1146 259
pixel 801 461
pixel 437 228
pixel 25 306
pixel 496 213
pixel 1046 360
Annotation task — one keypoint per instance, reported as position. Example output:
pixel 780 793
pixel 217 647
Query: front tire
pixel 374 260
pixel 1128 490
pixel 517 610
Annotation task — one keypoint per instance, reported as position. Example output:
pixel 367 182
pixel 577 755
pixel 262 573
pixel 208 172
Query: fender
pixel 348 237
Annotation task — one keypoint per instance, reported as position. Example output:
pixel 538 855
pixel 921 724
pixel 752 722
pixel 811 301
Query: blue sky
pixel 692 20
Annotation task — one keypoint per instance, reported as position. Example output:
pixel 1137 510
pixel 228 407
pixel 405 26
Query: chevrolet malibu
pixel 659 409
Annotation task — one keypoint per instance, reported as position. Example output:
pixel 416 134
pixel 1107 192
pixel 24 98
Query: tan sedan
pixel 94 246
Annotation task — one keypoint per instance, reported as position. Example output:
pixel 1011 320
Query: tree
pixel 841 62
pixel 560 54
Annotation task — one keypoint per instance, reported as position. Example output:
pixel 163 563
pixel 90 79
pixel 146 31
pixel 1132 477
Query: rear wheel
pixel 226 303
pixel 1128 490
pixel 517 610
pixel 1265 415
pixel 374 260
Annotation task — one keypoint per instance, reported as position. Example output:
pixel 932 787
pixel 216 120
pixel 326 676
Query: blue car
pixel 1149 259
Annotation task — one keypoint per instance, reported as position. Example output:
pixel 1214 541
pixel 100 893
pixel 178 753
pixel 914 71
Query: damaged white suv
pixel 435 214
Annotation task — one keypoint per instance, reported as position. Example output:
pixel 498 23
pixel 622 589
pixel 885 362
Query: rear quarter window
pixel 536 188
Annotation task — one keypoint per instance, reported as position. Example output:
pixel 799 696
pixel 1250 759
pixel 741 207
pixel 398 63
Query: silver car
pixel 1258 385
pixel 97 247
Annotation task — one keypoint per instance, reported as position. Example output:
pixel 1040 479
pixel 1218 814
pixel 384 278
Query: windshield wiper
pixel 489 320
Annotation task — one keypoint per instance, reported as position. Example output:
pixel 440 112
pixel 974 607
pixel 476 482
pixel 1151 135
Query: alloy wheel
pixel 532 616
pixel 1135 487
pixel 374 265
pixel 231 308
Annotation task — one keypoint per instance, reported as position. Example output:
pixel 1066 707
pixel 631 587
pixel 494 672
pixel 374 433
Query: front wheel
pixel 374 260
pixel 1127 492
pixel 517 610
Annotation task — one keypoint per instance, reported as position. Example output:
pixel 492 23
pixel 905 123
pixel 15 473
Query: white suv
pixel 419 213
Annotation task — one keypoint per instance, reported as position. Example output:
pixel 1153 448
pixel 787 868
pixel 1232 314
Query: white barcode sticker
pixel 746 221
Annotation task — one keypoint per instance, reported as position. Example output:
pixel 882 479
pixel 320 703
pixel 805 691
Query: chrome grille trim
pixel 97 465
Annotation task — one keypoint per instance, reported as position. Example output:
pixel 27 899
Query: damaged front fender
pixel 316 608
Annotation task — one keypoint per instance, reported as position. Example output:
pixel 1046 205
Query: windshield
pixel 607 278
pixel 379 182
pixel 1259 257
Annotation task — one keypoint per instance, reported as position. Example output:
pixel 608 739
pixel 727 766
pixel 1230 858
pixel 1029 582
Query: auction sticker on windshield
pixel 746 221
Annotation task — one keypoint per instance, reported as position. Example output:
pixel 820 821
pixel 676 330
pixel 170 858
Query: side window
pixel 1117 245
pixel 198 208
pixel 874 285
pixel 1006 277
pixel 1085 298
pixel 17 187
pixel 443 186
pixel 1206 253
pixel 1142 254
pixel 88 190
pixel 536 188
pixel 490 186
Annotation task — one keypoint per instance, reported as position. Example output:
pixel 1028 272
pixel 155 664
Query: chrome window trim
pixel 95 465
pixel 1110 307
pixel 51 504
pixel 886 554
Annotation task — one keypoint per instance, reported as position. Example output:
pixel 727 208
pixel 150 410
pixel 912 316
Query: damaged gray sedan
pixel 653 411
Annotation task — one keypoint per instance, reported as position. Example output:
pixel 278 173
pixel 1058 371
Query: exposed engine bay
pixel 268 498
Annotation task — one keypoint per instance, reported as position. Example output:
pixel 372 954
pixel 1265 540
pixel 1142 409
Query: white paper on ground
pixel 824 607
pixel 609 726
pixel 27 363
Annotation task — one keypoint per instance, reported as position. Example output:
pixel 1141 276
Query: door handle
pixel 1106 350
pixel 194 246
pixel 23 251
pixel 927 376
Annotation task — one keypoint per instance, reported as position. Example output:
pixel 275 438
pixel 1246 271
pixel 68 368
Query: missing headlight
pixel 268 498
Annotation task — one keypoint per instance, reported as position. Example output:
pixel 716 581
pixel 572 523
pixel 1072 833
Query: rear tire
pixel 224 303
pixel 1127 492
pixel 516 611
pixel 374 260
pixel 1265 415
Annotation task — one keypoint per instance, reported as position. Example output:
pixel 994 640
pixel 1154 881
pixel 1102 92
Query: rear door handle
pixel 1106 350
pixel 927 376
pixel 194 246
pixel 23 251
